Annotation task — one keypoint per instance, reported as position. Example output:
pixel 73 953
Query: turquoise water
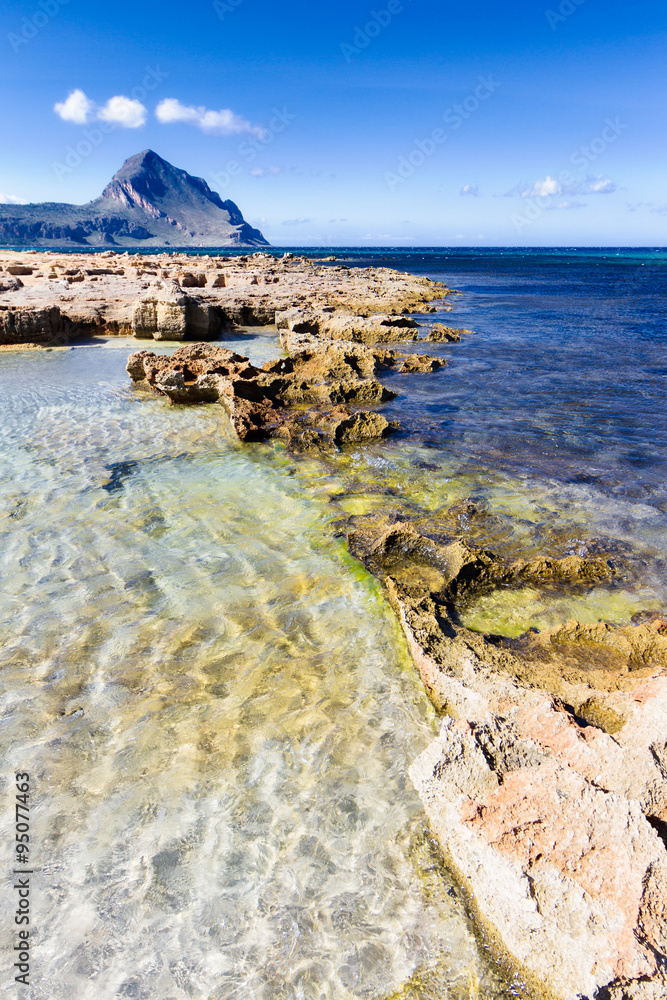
pixel 216 708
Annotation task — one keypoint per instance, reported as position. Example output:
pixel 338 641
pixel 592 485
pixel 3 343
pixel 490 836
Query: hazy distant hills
pixel 148 202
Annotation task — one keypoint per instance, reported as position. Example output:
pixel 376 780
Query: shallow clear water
pixel 215 706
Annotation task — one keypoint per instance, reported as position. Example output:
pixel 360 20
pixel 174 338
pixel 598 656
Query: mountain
pixel 148 202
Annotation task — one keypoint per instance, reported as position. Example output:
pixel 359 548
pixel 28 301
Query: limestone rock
pixel 24 326
pixel 189 280
pixel 10 284
pixel 262 402
pixel 145 299
pixel 547 787
pixel 556 865
pixel 420 363
pixel 445 334
pixel 362 426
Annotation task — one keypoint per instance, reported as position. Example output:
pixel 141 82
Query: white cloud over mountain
pixel 223 122
pixel 119 110
pixel 123 111
pixel 77 108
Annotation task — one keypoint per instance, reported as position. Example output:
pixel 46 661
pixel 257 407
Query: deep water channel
pixel 216 708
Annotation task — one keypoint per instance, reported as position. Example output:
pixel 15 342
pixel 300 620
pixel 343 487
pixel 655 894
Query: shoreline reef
pixel 547 785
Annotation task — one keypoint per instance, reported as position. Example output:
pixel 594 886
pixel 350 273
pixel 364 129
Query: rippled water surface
pixel 216 709
pixel 215 703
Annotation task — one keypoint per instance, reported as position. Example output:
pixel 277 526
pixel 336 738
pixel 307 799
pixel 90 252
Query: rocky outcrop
pixel 169 314
pixel 31 326
pixel 166 296
pixel 304 400
pixel 547 787
pixel 329 323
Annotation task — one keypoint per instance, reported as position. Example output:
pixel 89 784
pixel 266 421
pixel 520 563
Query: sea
pixel 212 699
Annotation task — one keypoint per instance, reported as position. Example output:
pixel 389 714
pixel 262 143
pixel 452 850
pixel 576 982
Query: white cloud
pixel 223 122
pixel 471 189
pixel 543 189
pixel 123 111
pixel 262 172
pixel 598 185
pixel 119 110
pixel 565 205
pixel 11 199
pixel 550 187
pixel 77 108
pixel 296 222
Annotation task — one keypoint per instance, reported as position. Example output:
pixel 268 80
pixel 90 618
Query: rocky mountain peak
pixel 147 181
pixel 148 201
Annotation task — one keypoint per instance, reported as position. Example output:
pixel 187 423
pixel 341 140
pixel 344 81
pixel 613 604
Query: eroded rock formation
pixel 547 787
pixel 180 297
pixel 304 399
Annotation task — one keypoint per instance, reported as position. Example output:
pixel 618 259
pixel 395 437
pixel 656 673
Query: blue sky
pixel 400 122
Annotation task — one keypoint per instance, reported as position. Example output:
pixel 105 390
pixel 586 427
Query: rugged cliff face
pixel 148 202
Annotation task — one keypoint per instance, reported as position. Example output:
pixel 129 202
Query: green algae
pixel 512 611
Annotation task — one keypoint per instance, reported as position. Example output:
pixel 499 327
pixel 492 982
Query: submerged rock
pixel 446 334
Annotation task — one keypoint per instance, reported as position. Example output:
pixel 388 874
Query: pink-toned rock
pixel 568 877
pixel 547 787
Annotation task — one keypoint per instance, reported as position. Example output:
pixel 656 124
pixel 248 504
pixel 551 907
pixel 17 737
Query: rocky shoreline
pixel 50 298
pixel 547 786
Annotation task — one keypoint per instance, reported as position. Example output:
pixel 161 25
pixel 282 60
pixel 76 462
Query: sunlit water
pixel 551 416
pixel 215 703
pixel 216 708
